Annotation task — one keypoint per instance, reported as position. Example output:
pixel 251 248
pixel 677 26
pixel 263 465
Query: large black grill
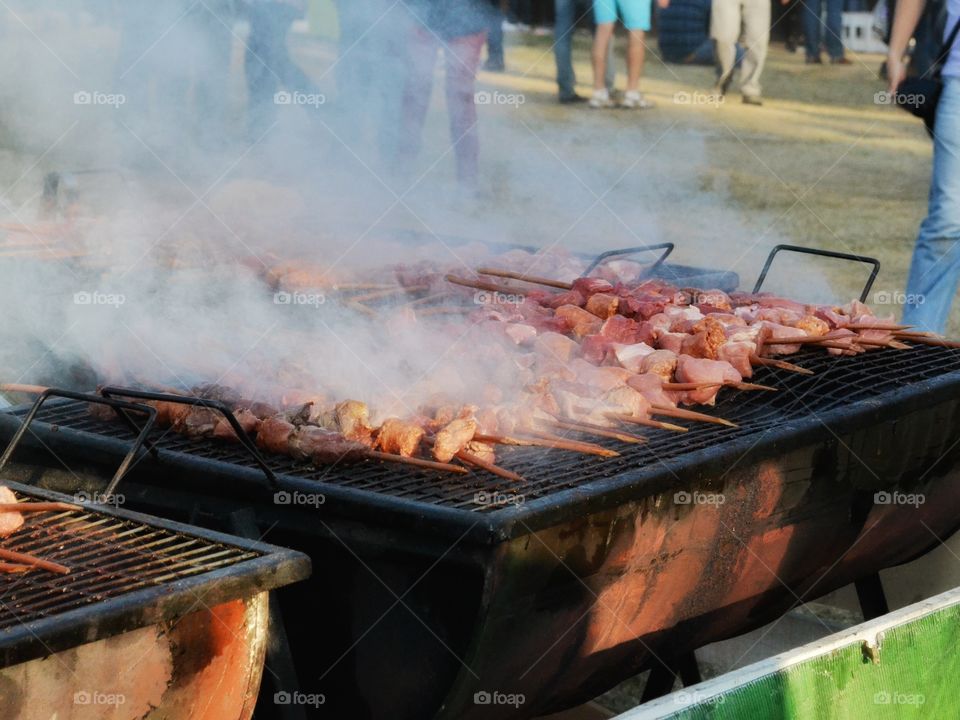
pixel 840 388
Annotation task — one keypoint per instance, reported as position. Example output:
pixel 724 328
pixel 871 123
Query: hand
pixel 896 73
pixel 663 4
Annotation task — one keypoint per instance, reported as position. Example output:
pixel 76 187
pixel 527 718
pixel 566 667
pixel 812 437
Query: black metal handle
pixel 667 247
pixel 118 405
pixel 217 405
pixel 823 253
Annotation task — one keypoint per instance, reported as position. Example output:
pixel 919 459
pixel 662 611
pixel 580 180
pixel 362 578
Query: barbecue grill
pixel 186 608
pixel 460 590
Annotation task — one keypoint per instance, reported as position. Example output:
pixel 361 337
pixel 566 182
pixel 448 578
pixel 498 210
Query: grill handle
pixel 667 247
pixel 117 405
pixel 823 253
pixel 220 407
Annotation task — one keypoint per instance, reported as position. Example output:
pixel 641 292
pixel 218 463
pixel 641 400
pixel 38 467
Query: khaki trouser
pixel 728 18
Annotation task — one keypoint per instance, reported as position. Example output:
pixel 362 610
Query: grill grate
pixel 838 381
pixel 108 557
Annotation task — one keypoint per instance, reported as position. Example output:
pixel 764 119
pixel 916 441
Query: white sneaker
pixel 634 100
pixel 601 99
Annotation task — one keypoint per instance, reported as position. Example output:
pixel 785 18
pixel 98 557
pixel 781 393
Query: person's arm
pixel 905 19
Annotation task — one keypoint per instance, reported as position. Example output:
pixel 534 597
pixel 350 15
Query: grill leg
pixel 282 675
pixel 873 601
pixel 663 676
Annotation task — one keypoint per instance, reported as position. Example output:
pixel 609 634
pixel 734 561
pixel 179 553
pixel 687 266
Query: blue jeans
pixel 567 14
pixel 935 267
pixel 814 30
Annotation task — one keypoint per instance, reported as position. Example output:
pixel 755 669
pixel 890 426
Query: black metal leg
pixel 873 601
pixel 280 672
pixel 664 676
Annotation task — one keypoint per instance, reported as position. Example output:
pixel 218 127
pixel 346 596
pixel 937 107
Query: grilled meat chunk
pixel 399 437
pixel 10 521
pixel 453 438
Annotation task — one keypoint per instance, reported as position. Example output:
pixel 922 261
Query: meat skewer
pixel 481 285
pixel 525 278
pixel 13 568
pixel 781 364
pixel 623 417
pixel 598 430
pixel 32 561
pixel 416 462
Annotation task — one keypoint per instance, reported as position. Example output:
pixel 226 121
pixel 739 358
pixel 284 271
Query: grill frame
pixel 269 567
pixel 612 481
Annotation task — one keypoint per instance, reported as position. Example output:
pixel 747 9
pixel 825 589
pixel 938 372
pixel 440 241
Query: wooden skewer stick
pixel 935 342
pixel 556 444
pixel 917 333
pixel 875 326
pixel 444 310
pixel 416 462
pixel 357 287
pixel 803 339
pixel 19 388
pixel 29 507
pixel 380 294
pixel 526 278
pixel 781 364
pixel 897 345
pixel 686 386
pixel 750 386
pixel 361 308
pixel 481 285
pixel 549 437
pixel 598 430
pixel 689 415
pixel 426 299
pixel 472 459
pixel 646 422
pixel 34 561
pixel 13 568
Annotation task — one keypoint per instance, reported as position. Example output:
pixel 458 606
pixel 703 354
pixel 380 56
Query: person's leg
pixel 564 25
pixel 421 58
pixel 725 22
pixel 935 267
pixel 756 39
pixel 812 25
pixel 635 58
pixel 462 59
pixel 833 33
pixel 601 46
pixel 262 83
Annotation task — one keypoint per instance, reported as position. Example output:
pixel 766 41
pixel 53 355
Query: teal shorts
pixel 635 14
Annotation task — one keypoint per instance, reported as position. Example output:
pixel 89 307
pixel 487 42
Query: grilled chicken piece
pixel 651 387
pixel 10 521
pixel 603 305
pixel 483 451
pixel 555 346
pixel 353 420
pixel 274 435
pixel 197 421
pixel 399 437
pixel 453 438
pixel 323 446
pixel 631 357
pixel 660 362
pixel 702 370
pixel 171 413
pixel 581 322
pixel 247 420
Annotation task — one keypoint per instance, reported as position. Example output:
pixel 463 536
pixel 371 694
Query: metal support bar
pixel 873 600
pixel 603 257
pixel 664 675
pixel 822 253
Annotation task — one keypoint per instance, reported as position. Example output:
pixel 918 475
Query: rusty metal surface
pixel 205 666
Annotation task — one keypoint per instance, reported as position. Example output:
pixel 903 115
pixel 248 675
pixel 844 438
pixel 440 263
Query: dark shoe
pixel 814 60
pixel 721 87
pixel 841 61
pixel 572 99
pixel 492 65
pixel 752 100
pixel 791 46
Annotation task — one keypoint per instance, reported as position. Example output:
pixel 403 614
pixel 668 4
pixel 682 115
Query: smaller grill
pixel 127 570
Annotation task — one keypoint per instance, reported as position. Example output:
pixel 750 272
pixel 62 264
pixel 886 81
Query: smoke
pixel 157 259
